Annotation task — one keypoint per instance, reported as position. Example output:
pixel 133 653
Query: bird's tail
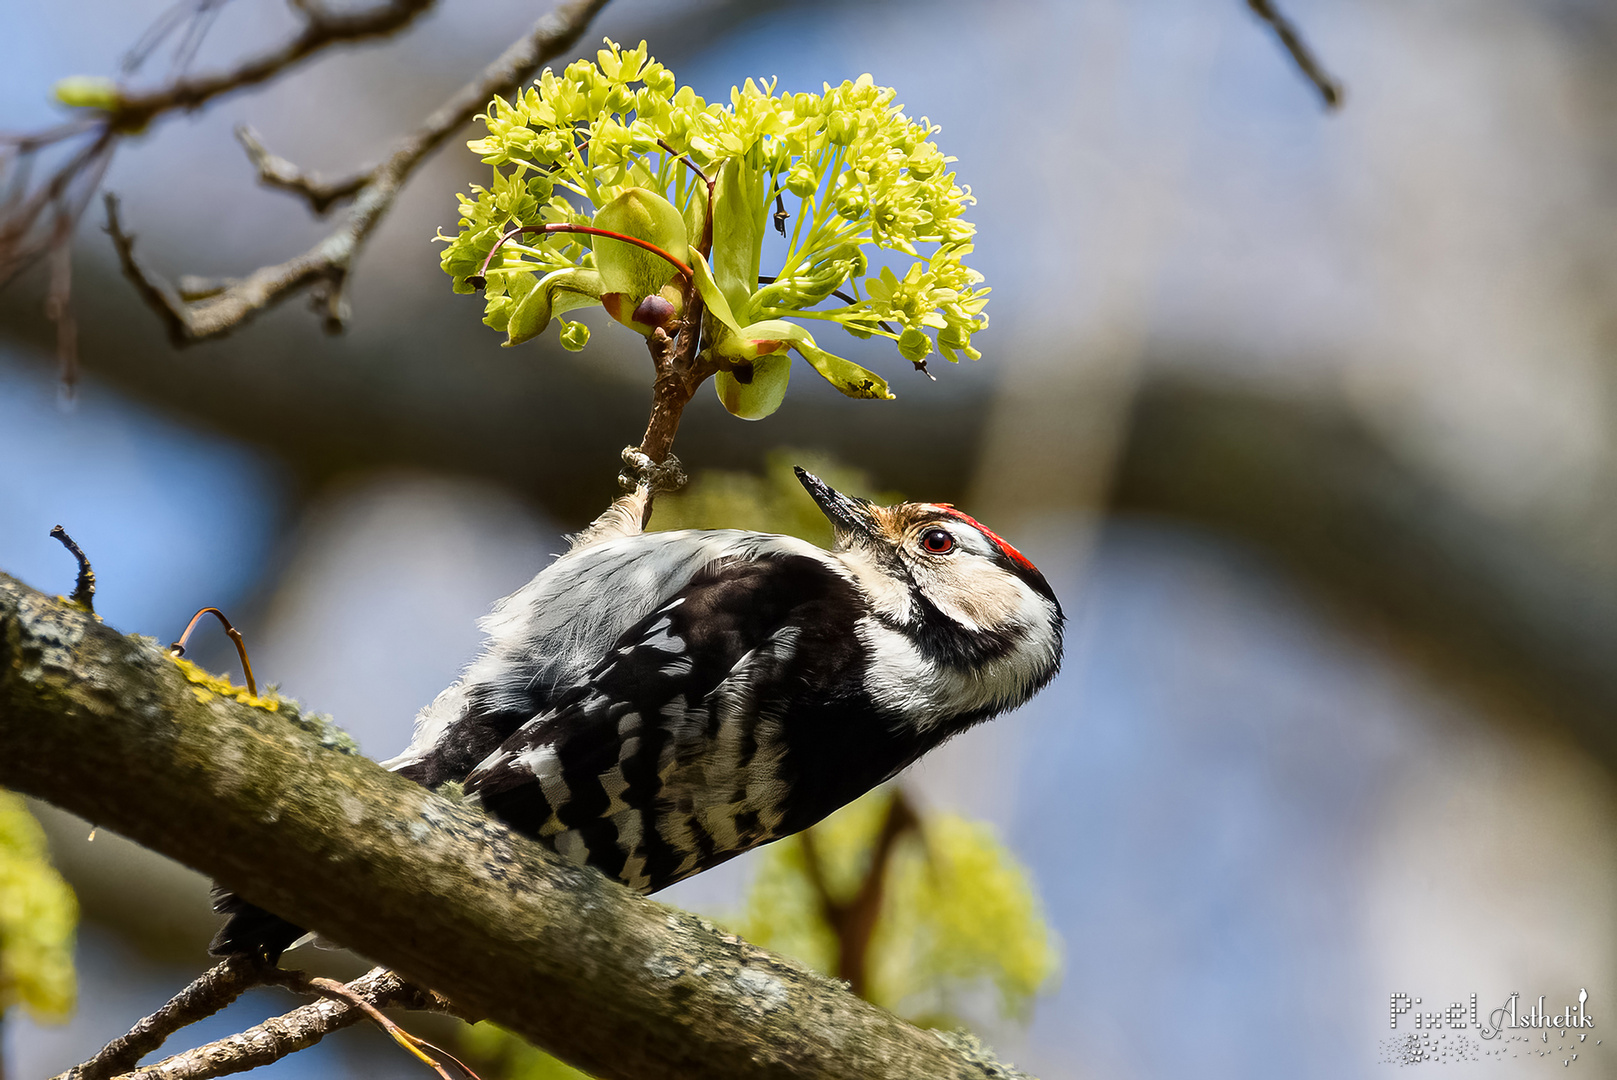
pixel 250 929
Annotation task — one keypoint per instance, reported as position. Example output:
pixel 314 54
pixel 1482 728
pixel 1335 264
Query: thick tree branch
pixel 113 729
pixel 326 265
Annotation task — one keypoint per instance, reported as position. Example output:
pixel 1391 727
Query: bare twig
pixel 277 172
pixel 84 587
pixel 419 1048
pixel 221 985
pixel 322 28
pixel 297 1030
pixel 191 18
pixel 178 648
pixel 41 221
pixel 326 265
pixel 1329 88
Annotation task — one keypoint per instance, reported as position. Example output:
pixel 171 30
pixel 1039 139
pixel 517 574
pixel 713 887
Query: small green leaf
pixel 556 292
pixel 711 294
pixel 845 375
pixel 739 222
pixel 632 270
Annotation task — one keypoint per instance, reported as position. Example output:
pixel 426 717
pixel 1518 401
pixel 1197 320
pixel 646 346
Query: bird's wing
pixel 674 754
pixel 548 636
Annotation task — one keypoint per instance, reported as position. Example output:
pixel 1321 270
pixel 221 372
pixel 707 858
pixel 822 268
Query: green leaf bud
pixel 852 201
pixel 914 345
pixel 842 128
pixel 574 336
pixel 88 92
pixel 802 180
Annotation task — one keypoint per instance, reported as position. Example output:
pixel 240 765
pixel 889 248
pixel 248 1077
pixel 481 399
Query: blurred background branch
pixel 218 309
pixel 39 220
pixel 1330 90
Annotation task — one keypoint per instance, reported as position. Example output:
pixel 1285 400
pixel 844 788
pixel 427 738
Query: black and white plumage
pixel 653 704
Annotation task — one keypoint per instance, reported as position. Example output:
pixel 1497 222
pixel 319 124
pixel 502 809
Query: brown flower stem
pixel 178 648
pixel 589 230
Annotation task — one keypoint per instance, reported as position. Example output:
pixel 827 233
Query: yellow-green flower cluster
pixel 855 176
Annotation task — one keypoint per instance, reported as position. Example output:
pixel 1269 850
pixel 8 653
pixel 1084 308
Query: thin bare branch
pixel 1330 89
pixel 277 172
pixel 41 222
pixel 321 30
pixel 326 265
pixel 192 19
pixel 297 1030
pixel 218 987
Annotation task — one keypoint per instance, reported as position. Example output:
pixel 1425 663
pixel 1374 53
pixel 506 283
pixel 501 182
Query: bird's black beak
pixel 847 514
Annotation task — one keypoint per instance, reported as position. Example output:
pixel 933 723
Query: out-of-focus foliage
pixel 958 912
pixel 498 1053
pixel 38 912
pixel 774 502
pixel 599 147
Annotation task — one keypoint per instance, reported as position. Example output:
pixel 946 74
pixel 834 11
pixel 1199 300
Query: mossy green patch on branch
pixel 209 684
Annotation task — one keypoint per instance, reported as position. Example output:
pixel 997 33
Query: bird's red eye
pixel 938 542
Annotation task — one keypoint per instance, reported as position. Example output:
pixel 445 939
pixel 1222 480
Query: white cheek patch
pixel 989 598
pixel 926 693
pixel 887 594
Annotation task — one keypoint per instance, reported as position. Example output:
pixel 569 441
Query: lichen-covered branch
pixel 275 1038
pixel 218 987
pixel 113 729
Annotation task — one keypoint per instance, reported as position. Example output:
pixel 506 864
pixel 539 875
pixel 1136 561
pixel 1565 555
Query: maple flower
pixel 614 186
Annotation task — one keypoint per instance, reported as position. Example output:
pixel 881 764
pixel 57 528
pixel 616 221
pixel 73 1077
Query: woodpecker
pixel 653 704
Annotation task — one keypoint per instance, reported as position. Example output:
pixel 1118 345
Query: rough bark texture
pixel 267 802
